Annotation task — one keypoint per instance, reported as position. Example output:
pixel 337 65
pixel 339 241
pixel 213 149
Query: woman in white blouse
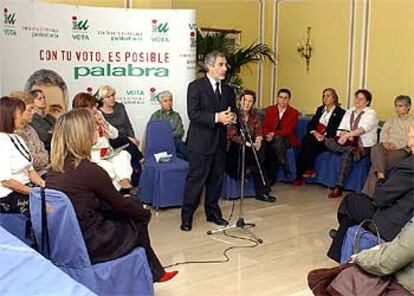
pixel 17 175
pixel 357 133
pixel 117 166
pixel 323 125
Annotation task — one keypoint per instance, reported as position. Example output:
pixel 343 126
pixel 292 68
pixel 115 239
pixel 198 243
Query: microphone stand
pixel 241 223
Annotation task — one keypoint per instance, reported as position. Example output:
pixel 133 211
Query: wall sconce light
pixel 305 48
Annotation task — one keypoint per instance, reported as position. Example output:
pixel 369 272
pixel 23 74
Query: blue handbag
pixel 357 238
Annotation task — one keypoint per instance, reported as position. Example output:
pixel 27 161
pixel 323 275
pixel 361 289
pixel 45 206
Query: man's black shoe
pixel 266 197
pixel 332 233
pixel 219 221
pixel 186 226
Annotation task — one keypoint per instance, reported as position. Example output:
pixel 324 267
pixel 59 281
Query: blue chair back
pixel 159 138
pixel 67 246
pixel 127 275
pixel 16 224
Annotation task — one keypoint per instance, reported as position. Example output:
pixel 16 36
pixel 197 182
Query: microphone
pixel 233 85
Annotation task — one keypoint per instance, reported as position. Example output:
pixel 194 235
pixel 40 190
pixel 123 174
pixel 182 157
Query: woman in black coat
pixel 391 206
pixel 322 125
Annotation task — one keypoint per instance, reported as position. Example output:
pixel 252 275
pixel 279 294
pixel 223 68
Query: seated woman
pixel 42 121
pixel 357 133
pixel 167 113
pixel 112 225
pixel 29 135
pixel 117 166
pixel 391 206
pixel 323 125
pixel 251 118
pixel 393 144
pixel 395 258
pixel 17 175
pixel 115 113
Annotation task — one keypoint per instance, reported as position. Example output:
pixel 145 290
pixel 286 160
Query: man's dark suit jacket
pixel 333 123
pixel 204 135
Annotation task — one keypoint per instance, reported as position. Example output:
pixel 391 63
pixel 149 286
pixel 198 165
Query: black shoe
pixel 218 220
pixel 332 233
pixel 186 226
pixel 266 197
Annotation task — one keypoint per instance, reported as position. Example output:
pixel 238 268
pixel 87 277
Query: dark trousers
pixel 381 160
pixel 143 240
pixel 99 252
pixel 353 209
pixel 309 149
pixel 233 166
pixel 347 157
pixel 208 171
pixel 275 152
pixel 15 203
pixel 181 149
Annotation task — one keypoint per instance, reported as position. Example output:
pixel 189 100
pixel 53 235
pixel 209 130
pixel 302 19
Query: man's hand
pixel 257 145
pixel 226 116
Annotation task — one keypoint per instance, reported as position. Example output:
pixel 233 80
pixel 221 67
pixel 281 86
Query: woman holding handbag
pixel 357 133
pixel 391 206
pixel 323 125
pixel 384 270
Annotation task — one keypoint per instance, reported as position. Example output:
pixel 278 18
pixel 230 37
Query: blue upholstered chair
pixel 327 166
pixel 16 225
pixel 231 188
pixel 162 184
pixel 128 275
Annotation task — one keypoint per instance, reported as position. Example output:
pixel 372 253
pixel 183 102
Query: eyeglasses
pixel 400 105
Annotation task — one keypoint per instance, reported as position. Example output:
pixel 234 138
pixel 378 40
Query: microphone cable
pixel 225 251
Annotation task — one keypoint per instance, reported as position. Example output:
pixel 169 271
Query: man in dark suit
pixel 209 105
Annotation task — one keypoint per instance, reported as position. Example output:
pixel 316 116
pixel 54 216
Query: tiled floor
pixel 294 230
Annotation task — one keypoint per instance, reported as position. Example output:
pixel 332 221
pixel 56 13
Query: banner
pixel 65 49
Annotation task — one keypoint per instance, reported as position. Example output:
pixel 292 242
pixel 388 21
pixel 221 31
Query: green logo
pixel 79 25
pixel 9 18
pixel 159 27
pixel 162 28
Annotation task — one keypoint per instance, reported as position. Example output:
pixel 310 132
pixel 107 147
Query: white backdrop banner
pixel 69 49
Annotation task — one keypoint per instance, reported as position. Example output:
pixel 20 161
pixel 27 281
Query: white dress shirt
pixel 326 116
pixel 368 121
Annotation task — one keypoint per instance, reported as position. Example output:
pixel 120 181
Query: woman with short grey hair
pixel 393 144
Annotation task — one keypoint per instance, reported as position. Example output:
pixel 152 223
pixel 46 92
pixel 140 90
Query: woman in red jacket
pixel 279 133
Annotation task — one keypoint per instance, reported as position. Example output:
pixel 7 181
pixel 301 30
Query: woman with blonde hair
pixel 112 225
pixel 323 125
pixel 115 113
pixel 30 136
